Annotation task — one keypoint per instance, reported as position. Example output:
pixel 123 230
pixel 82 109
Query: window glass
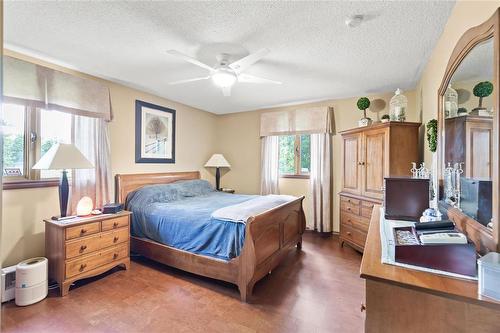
pixel 305 154
pixel 55 127
pixel 287 154
pixel 13 139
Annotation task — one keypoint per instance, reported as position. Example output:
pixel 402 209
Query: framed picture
pixel 154 133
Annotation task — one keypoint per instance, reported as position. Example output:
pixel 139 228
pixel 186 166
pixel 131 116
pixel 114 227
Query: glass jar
pixel 398 104
pixel 450 102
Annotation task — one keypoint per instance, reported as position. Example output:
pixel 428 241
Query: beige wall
pixel 464 16
pixel 238 139
pixel 23 210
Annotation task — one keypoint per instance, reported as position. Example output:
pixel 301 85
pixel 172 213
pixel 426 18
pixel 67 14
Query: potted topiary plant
pixel 363 104
pixel 385 118
pixel 481 90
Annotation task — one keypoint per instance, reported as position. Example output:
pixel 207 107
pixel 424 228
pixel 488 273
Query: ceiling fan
pixel 226 74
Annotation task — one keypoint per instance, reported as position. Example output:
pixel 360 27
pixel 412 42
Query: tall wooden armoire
pixel 368 155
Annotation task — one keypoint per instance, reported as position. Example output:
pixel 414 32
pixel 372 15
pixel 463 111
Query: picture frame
pixel 154 133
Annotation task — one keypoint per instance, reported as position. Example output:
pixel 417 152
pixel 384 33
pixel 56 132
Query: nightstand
pixel 227 190
pixel 83 247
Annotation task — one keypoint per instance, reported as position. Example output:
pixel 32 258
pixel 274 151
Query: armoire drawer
pixel 350 207
pixel 353 235
pixel 367 208
pixel 354 221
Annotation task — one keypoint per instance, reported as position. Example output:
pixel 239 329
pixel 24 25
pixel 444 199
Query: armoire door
pixel 351 147
pixel 374 162
pixel 478 147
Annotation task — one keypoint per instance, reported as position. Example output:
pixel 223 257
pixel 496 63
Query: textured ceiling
pixel 313 52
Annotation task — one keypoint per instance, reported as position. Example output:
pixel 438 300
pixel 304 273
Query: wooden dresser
pixel 405 300
pixel 368 155
pixel 86 247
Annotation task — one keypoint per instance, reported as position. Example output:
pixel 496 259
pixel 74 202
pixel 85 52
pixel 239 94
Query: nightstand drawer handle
pixel 349 221
pixel 115 255
pixel 115 239
pixel 349 233
pixel 83 231
pixel 83 248
pixel 115 224
pixel 82 267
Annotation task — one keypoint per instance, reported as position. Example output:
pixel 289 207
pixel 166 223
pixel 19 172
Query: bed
pixel 239 253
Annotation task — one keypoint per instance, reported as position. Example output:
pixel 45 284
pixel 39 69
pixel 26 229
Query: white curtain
pixel 91 136
pixel 269 170
pixel 320 182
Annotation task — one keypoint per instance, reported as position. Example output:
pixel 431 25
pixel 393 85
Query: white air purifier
pixel 31 281
pixel 8 283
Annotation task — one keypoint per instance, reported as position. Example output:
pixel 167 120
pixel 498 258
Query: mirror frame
pixel 484 238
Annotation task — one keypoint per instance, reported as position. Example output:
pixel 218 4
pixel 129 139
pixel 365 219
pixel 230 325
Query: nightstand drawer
pixel 353 235
pixel 352 208
pixel 78 247
pixel 87 263
pixel 114 237
pixel 83 230
pixel 115 223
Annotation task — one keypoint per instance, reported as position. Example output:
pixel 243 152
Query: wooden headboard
pixel 126 183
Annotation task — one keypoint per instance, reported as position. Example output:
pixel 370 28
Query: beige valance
pixel 299 121
pixel 43 87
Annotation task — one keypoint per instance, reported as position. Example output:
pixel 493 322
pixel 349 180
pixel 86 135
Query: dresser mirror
pixel 468 138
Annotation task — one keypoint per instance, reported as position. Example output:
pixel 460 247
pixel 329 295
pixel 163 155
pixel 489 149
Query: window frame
pixel 32 150
pixel 297 161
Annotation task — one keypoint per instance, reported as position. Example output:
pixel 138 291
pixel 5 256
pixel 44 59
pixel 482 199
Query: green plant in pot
pixel 385 118
pixel 482 90
pixel 363 104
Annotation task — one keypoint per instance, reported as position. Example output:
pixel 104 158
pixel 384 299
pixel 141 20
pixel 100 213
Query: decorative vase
pixel 398 105
pixel 450 102
pixel 363 122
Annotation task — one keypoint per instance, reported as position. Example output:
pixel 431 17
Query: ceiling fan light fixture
pixel 224 78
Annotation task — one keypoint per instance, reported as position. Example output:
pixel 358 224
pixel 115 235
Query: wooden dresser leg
pixel 299 245
pixel 126 264
pixel 64 288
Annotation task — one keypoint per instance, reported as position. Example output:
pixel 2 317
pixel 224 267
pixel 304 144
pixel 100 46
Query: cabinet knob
pixel 83 231
pixel 115 224
pixel 349 221
pixel 363 307
pixel 83 248
pixel 115 255
pixel 82 267
pixel 115 239
pixel 349 233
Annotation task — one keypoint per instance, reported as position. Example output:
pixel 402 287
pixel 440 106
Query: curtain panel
pixel 299 121
pixel 269 169
pixel 34 85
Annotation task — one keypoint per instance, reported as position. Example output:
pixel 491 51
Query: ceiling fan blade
pixel 189 59
pixel 226 91
pixel 255 79
pixel 190 80
pixel 240 65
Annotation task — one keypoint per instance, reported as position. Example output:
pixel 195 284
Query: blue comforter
pixel 179 215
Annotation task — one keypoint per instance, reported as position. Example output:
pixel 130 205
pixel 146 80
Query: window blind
pixel 43 87
pixel 299 121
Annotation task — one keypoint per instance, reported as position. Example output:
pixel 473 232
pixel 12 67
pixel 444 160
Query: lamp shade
pixel 63 156
pixel 217 161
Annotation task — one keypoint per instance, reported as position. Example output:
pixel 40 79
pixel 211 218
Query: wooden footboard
pixel 268 236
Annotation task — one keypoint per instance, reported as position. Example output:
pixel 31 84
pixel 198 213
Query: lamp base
pixel 217 179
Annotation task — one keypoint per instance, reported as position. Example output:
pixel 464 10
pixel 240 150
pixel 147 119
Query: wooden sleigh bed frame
pixel 268 237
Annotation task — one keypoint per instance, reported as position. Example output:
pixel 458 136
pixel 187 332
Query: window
pixel 295 155
pixel 28 134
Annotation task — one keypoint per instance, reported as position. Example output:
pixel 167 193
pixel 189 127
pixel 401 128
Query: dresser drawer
pixel 354 221
pixel 367 208
pixel 349 200
pixel 349 207
pixel 83 230
pixel 115 223
pixel 114 237
pixel 353 235
pixel 81 265
pixel 81 246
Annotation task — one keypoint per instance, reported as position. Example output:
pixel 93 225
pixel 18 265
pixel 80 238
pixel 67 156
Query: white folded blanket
pixel 243 211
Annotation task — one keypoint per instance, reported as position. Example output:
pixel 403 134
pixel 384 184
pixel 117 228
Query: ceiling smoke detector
pixel 354 21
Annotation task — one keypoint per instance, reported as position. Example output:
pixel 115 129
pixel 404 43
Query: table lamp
pixel 217 161
pixel 63 156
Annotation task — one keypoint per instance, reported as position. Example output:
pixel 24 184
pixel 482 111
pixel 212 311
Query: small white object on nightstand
pixel 489 275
